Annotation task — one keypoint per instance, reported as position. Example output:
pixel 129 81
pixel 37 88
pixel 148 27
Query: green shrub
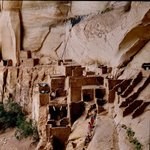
pixel 133 140
pixel 25 128
pixel 14 107
pixel 130 133
pixel 3 118
pixel 11 116
pixel 2 110
pixel 137 144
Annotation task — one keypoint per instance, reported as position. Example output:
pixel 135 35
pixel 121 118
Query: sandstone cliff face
pixel 113 33
pixel 118 37
pixel 10 31
pixel 48 32
pixel 41 27
pixel 36 27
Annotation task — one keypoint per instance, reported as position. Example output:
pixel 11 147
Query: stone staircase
pixel 131 107
pixel 140 110
pixel 130 104
pixel 133 84
pixel 136 92
pixel 122 86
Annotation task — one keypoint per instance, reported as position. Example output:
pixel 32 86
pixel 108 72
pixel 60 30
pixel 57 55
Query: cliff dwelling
pixel 74 75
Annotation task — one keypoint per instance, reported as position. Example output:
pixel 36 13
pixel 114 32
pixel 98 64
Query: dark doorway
pixel 58 112
pixel 100 102
pixel 99 93
pixel 88 95
pixel 146 66
pixel 57 144
pixel 76 110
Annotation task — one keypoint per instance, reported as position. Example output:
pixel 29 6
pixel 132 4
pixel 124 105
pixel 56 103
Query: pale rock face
pixel 111 38
pixel 110 33
pixel 11 81
pixel 88 41
pixel 135 65
pixel 87 7
pixel 2 74
pixel 139 125
pixel 54 42
pixel 37 26
pixel 91 40
pixel 0 32
pixel 42 128
pixel 116 4
pixel 11 5
pixel 10 30
pixel 105 136
pixel 123 142
pixel 79 132
pixel 35 104
pixel 10 36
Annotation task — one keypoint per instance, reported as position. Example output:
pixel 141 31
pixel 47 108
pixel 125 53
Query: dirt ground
pixel 9 142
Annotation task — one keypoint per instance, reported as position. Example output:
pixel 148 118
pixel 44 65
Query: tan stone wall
pixel 62 133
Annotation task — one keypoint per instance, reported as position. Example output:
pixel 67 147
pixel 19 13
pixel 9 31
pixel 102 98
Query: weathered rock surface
pixel 104 140
pixel 109 33
pixel 47 32
pixel 37 26
pixel 10 31
pixel 112 33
